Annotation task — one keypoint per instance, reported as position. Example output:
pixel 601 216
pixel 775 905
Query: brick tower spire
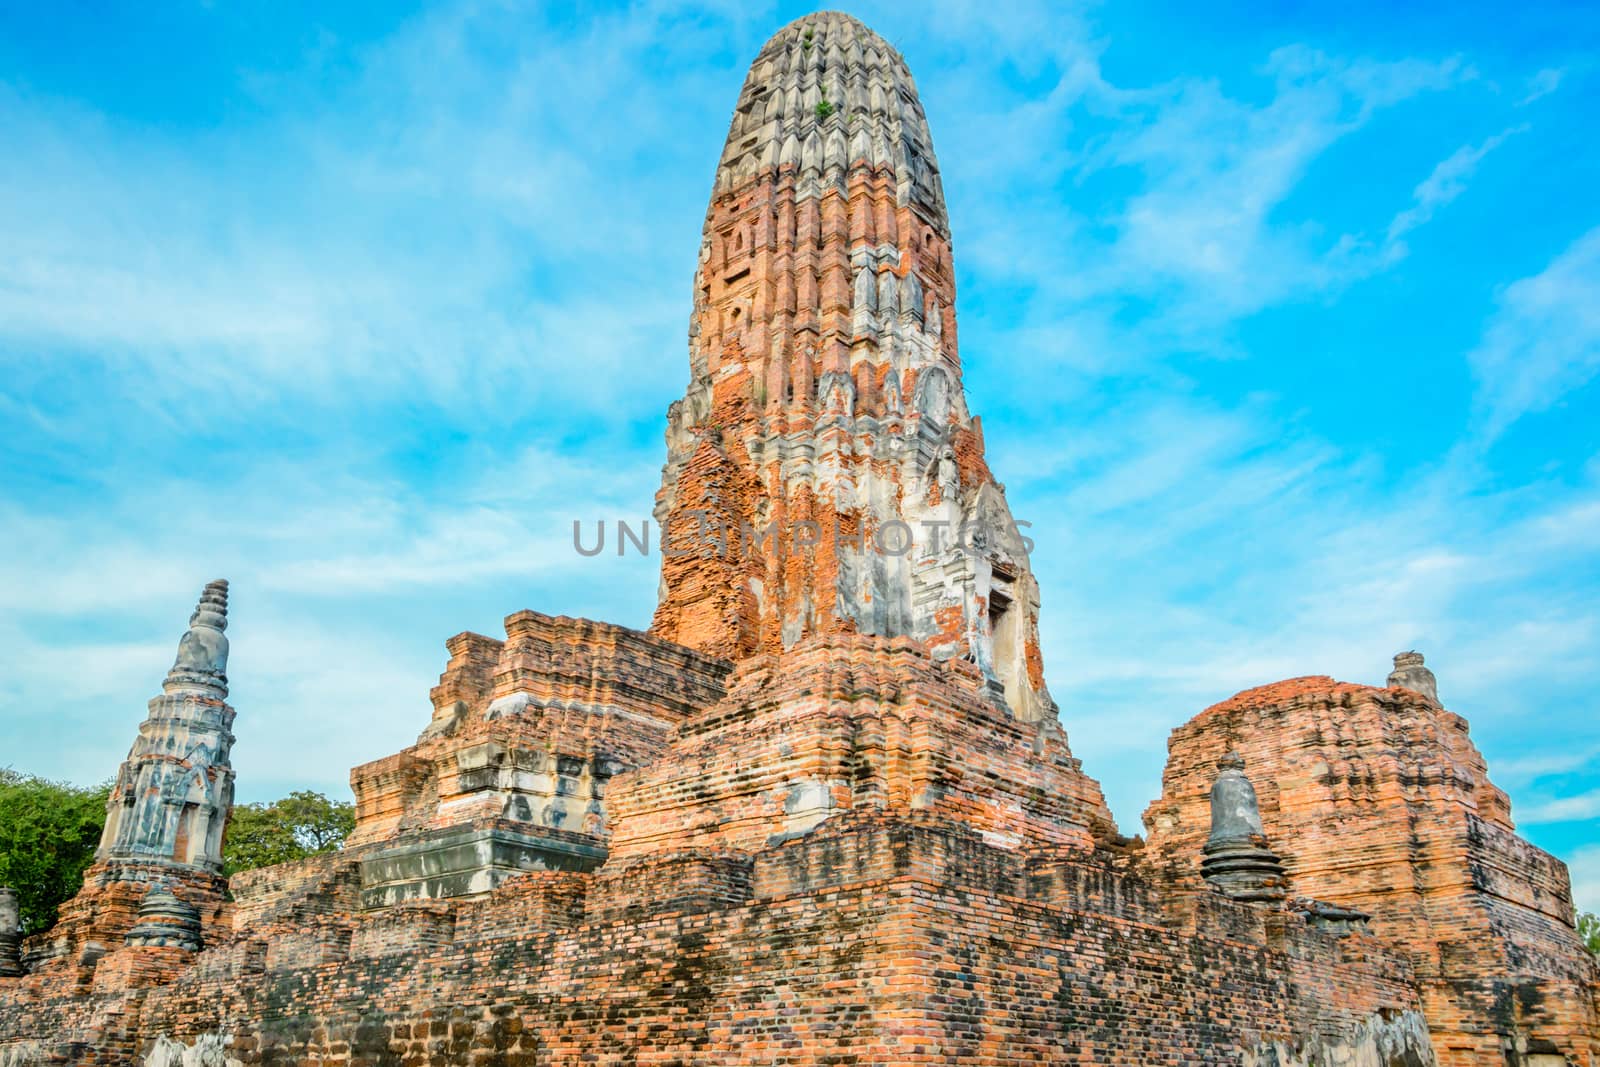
pixel 823 472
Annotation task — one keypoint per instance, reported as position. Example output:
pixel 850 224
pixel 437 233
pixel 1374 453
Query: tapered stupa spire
pixel 202 661
pixel 823 472
pixel 174 792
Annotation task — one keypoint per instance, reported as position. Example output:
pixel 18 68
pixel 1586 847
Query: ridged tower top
pixel 825 407
pixel 202 662
pixel 825 91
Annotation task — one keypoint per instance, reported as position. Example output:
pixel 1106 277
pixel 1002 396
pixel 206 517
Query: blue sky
pixel 1284 322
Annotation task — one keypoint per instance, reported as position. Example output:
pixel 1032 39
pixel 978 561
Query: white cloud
pixel 1543 340
pixel 1583 807
pixel 1447 181
pixel 1198 238
pixel 1542 84
pixel 1218 168
pixel 343 591
pixel 1519 769
pixel 353 245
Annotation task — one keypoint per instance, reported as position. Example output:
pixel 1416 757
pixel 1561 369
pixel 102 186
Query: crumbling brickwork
pixel 512 773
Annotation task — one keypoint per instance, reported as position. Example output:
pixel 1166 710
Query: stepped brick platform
pixel 842 723
pixel 824 812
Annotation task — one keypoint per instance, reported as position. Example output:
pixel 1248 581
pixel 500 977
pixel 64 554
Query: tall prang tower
pixel 847 623
pixel 823 472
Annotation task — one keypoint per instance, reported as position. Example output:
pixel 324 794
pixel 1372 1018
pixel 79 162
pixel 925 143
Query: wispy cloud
pixel 1520 769
pixel 1543 340
pixel 1198 177
pixel 1585 807
pixel 1542 84
pixel 1186 557
pixel 1219 168
pixel 1447 181
pixel 341 601
pixel 356 243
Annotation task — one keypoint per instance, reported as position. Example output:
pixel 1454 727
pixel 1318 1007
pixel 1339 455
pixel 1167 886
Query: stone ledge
pixel 467 862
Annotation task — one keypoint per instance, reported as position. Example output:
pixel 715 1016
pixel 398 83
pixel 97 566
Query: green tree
pixel 1589 930
pixel 48 834
pixel 301 824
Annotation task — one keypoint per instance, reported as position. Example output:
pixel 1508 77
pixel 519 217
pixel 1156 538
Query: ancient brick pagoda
pixel 824 811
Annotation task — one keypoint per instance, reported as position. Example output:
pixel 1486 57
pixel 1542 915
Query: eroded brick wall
pixel 529 731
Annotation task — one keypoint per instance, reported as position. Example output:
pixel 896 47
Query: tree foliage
pixel 48 834
pixel 1589 930
pixel 301 824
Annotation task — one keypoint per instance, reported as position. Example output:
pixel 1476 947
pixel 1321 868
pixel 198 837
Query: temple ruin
pixel 825 810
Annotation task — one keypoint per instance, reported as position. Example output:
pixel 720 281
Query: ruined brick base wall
pixel 1512 1021
pixel 512 773
pixel 869 941
pixel 319 886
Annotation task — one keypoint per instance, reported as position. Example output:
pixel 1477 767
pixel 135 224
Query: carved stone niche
pixel 569 769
